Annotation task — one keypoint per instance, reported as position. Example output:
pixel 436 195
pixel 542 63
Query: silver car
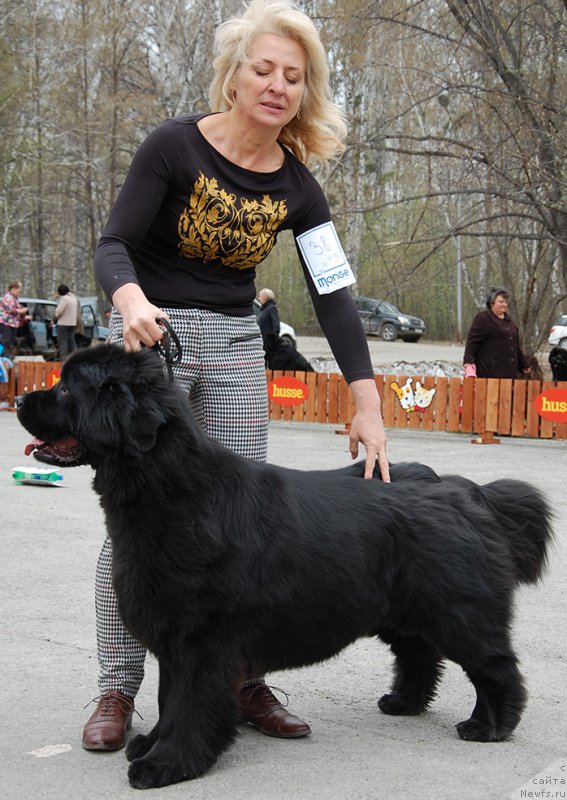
pixel 558 333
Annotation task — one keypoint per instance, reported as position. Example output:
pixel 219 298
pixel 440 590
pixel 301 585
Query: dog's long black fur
pixel 222 563
pixel 558 363
pixel 280 355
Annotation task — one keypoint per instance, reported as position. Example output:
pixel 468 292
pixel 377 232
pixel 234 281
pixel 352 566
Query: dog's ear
pixel 121 419
pixel 103 417
pixel 144 423
pixel 116 410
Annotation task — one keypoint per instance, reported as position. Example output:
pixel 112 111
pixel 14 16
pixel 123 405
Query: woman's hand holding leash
pixel 139 316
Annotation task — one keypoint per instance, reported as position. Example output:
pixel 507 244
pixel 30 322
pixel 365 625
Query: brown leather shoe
pixel 106 729
pixel 260 708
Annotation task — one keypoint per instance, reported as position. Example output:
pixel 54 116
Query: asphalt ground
pixel 50 539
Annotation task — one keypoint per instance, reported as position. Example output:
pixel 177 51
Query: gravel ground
pixel 401 358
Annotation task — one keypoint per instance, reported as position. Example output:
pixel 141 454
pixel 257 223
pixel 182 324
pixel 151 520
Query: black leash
pixel 169 348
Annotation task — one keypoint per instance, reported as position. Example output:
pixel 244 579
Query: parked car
pixel 558 333
pixel 287 333
pixel 42 337
pixel 380 318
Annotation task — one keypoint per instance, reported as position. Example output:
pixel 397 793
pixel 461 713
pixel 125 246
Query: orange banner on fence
pixel 288 391
pixel 53 378
pixel 552 404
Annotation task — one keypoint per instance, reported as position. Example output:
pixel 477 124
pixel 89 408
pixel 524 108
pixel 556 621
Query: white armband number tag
pixel 325 258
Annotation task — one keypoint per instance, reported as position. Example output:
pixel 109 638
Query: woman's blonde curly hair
pixel 318 133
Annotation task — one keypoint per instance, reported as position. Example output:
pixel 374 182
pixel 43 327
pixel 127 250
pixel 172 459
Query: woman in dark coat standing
pixel 493 347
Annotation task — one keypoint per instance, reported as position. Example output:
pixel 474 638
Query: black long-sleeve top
pixel 190 227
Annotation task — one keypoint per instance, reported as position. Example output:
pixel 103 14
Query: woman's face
pixel 500 305
pixel 270 86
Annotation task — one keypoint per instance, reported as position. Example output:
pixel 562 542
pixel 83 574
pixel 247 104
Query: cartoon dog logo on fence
pixel 422 396
pixel 405 394
pixel 411 400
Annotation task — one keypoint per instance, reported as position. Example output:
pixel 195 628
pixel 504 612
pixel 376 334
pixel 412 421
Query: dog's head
pixel 272 343
pixel 558 361
pixel 107 402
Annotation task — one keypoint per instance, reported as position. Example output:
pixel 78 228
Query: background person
pixel 269 316
pixel 279 353
pixel 492 349
pixel 5 366
pixel 201 207
pixel 11 313
pixel 66 316
pixel 25 334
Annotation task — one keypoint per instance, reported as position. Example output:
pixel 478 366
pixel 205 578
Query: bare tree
pixel 454 175
pixel 479 113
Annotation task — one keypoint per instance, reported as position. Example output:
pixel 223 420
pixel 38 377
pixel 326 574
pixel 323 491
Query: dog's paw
pixel 475 730
pixel 138 746
pixel 398 705
pixel 149 773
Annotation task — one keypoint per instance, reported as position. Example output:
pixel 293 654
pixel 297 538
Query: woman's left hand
pixel 367 428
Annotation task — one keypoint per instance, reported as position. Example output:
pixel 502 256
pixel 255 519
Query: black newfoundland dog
pixel 282 355
pixel 558 363
pixel 221 562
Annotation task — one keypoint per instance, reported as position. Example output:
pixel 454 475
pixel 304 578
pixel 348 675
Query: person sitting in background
pixel 492 348
pixel 5 366
pixel 24 333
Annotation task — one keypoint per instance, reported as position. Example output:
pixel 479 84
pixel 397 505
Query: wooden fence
pixel 28 376
pixel 472 405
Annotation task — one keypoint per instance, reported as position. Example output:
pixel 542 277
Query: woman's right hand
pixel 139 317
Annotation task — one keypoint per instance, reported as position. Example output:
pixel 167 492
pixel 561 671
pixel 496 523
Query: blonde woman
pixel 201 207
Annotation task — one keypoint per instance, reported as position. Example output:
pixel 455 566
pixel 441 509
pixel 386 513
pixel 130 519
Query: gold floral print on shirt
pixel 217 227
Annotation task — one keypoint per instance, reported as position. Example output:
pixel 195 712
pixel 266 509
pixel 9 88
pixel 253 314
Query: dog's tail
pixel 525 517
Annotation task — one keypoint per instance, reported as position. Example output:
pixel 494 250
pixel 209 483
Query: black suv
pixel 380 318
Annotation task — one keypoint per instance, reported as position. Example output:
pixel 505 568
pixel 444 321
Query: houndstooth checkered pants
pixel 223 371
